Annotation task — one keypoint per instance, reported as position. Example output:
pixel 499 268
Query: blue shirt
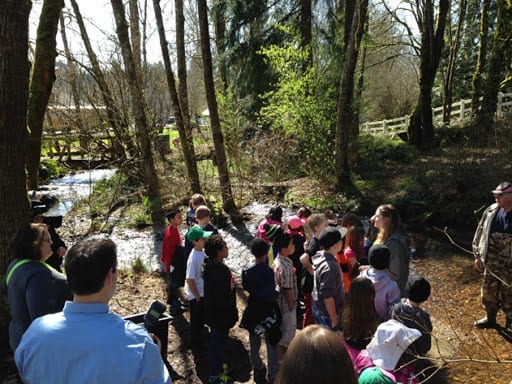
pixel 502 222
pixel 87 344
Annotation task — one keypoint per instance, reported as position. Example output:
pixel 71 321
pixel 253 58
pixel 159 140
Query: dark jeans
pixel 218 339
pixel 196 320
pixel 173 290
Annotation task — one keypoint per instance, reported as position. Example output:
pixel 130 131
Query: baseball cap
pixel 196 233
pixel 504 187
pixel 295 222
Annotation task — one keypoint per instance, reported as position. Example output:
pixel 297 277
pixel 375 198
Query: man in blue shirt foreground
pixel 85 343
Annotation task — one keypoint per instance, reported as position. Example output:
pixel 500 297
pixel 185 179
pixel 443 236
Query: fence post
pixel 499 112
pixel 384 127
pixel 367 128
pixel 462 110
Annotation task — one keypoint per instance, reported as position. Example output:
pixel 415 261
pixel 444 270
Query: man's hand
pixel 479 265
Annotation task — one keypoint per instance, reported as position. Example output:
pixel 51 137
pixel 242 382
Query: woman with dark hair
pixel 316 355
pixel 32 287
pixel 393 235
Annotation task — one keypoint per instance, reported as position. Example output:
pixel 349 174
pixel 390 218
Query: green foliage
pixel 49 169
pixel 137 266
pixel 295 112
pixel 372 150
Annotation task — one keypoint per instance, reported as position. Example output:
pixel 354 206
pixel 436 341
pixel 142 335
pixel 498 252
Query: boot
pixel 488 321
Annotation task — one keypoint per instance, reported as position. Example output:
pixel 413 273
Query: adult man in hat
pixel 492 245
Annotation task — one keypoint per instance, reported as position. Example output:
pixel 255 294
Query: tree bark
pixel 135 38
pixel 305 31
pixel 43 77
pixel 421 127
pixel 14 82
pixel 146 161
pixel 187 144
pixel 450 73
pixel 218 138
pixel 123 143
pixel 500 59
pixel 219 22
pixel 481 59
pixel 345 107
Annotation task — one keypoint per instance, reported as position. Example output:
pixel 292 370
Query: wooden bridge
pixel 461 110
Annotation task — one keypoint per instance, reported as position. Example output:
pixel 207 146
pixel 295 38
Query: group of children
pixel 327 279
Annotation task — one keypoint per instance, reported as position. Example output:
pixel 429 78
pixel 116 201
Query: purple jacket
pixel 386 291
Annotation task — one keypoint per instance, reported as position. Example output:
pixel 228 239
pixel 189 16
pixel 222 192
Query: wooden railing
pixel 461 110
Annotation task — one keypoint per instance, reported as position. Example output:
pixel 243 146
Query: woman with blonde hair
pixel 393 235
pixel 33 288
pixel 316 355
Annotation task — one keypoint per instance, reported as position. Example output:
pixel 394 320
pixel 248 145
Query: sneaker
pixel 485 323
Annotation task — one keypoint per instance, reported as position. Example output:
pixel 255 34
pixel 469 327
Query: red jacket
pixel 172 239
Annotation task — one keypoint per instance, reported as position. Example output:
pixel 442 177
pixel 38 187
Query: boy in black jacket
pixel 219 302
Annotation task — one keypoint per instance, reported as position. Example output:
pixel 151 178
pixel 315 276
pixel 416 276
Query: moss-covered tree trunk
pixel 345 105
pixel 218 138
pixel 187 145
pixel 499 61
pixel 481 58
pixel 421 127
pixel 14 72
pixel 43 77
pixel 145 161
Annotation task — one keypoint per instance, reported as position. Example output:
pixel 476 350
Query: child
pixel 409 313
pixel 274 216
pixel 202 217
pixel 359 320
pixel 386 290
pixel 174 260
pixel 219 302
pixel 328 293
pixel 286 287
pixel 348 258
pixel 261 315
pixel 296 230
pixel 195 283
pixel 317 222
pixel 388 356
pixel 271 232
pixel 195 201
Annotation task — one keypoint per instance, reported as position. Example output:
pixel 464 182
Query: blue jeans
pixel 321 317
pixel 272 356
pixel 218 339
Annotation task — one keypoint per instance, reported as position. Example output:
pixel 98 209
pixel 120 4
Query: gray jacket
pixel 400 256
pixel 481 238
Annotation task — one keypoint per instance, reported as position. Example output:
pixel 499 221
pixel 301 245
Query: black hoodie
pixel 219 296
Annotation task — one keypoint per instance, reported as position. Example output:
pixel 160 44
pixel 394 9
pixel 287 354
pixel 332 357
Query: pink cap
pixel 295 222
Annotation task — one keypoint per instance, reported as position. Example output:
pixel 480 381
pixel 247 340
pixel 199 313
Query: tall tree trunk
pixel 345 107
pixel 118 124
pixel 450 73
pixel 218 138
pixel 43 76
pixel 73 80
pixel 187 144
pixel 183 84
pixel 305 31
pixel 219 23
pixel 421 127
pixel 482 57
pixel 146 161
pixel 500 59
pixel 14 74
pixel 135 37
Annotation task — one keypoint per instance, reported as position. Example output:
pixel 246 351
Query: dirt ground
pixel 462 353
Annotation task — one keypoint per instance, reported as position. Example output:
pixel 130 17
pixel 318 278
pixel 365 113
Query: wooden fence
pixel 461 110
